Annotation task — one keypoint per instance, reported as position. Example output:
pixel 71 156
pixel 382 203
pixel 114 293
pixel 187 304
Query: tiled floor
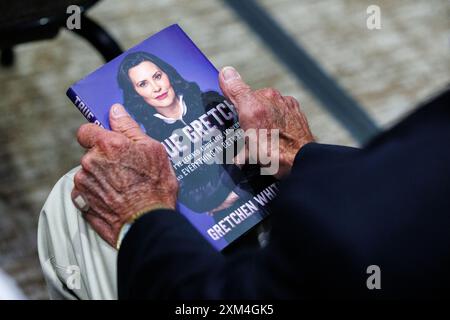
pixel 388 71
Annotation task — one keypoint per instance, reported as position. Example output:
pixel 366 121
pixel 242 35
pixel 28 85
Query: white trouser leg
pixel 76 262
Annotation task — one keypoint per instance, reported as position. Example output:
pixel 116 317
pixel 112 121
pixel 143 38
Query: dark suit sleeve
pixel 340 211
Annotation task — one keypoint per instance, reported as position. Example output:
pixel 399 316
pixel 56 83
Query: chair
pixel 23 21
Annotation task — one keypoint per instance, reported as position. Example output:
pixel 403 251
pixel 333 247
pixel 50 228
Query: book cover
pixel 171 89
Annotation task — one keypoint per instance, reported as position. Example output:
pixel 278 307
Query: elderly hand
pixel 268 109
pixel 124 173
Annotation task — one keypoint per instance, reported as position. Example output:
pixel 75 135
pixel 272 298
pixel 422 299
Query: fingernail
pixel 118 111
pixel 229 74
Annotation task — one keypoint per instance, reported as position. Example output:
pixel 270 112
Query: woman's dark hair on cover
pixel 134 103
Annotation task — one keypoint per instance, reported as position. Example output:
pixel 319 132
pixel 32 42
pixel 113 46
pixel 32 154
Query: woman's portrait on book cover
pixel 162 101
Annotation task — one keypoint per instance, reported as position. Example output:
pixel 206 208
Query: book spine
pixel 82 107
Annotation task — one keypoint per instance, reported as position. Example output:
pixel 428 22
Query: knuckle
pixel 270 93
pixel 78 178
pixel 292 102
pixel 260 112
pixel 81 132
pixel 115 142
pixel 87 162
pixel 128 126
pixel 239 88
pixel 109 142
pixel 114 200
pixel 120 201
pixel 102 142
pixel 273 93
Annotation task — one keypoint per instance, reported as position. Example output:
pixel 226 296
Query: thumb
pixel 234 87
pixel 121 122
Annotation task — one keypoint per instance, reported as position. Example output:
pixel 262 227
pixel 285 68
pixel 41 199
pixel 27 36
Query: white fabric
pixel 9 289
pixel 76 262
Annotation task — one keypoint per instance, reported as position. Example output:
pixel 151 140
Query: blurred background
pixel 387 71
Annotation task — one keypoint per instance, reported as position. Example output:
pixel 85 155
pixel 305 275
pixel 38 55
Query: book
pixel 172 91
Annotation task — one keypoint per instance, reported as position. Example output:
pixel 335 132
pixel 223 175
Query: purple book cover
pixel 171 89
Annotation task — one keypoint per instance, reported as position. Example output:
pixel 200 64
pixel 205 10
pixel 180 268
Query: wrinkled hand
pixel 124 172
pixel 268 109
